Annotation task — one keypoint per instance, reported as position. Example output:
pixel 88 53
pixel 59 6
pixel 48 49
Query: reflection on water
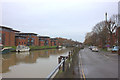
pixel 34 64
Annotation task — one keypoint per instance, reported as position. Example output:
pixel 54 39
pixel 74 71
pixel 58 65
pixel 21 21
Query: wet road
pixel 98 64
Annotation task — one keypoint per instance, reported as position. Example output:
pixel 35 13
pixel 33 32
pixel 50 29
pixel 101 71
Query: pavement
pixel 89 65
pixel 72 69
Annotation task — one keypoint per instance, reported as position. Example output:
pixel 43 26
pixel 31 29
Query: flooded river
pixel 33 64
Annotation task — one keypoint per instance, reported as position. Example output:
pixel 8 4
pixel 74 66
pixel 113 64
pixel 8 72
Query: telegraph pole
pixel 118 27
pixel 106 24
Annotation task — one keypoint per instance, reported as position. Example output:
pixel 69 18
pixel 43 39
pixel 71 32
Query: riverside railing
pixel 61 61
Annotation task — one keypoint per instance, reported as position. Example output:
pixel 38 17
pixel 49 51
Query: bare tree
pixel 111 26
pixel 98 35
pixel 99 27
pixel 101 32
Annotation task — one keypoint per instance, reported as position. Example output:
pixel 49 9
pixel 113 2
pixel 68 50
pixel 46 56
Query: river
pixel 33 64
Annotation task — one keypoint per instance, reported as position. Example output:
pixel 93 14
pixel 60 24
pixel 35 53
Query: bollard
pixel 69 56
pixel 63 64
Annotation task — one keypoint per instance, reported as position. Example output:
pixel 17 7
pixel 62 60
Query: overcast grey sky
pixel 56 18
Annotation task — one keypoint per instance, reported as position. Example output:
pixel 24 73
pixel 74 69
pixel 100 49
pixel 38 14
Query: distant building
pixel 44 41
pixel 62 41
pixel 7 36
pixel 31 39
pixel 65 42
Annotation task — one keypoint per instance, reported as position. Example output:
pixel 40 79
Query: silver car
pixel 95 49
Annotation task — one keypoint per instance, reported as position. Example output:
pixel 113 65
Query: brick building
pixel 118 35
pixel 31 39
pixel 20 40
pixel 54 42
pixel 10 37
pixel 114 37
pixel 44 41
pixel 7 36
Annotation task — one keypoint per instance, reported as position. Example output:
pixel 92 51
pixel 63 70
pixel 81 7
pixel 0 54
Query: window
pixel 54 42
pixel 28 39
pixel 41 40
pixel 30 36
pixel 8 30
pixel 46 42
pixel 32 40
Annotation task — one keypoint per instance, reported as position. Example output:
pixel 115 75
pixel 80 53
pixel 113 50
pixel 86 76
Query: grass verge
pixel 34 47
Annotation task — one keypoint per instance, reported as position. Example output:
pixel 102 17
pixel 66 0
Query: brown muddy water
pixel 33 64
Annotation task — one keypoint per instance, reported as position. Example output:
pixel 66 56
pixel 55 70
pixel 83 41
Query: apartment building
pixel 7 36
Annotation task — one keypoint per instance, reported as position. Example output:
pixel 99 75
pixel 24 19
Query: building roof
pixel 27 34
pixel 16 31
pixel 9 28
pixel 5 27
pixel 43 36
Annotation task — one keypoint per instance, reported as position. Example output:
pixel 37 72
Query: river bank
pixel 32 48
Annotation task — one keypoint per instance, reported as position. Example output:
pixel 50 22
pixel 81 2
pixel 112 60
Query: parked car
pixel 109 49
pixel 115 48
pixel 90 47
pixel 95 49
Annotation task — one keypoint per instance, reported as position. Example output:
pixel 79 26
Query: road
pixel 98 64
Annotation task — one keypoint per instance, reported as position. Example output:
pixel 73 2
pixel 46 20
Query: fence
pixel 61 61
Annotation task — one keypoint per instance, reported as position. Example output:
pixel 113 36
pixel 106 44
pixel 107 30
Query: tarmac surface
pixel 98 64
pixel 89 65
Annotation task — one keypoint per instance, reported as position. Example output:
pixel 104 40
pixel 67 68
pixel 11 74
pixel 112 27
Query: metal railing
pixel 61 61
pixel 52 73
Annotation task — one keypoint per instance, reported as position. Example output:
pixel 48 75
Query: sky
pixel 70 19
